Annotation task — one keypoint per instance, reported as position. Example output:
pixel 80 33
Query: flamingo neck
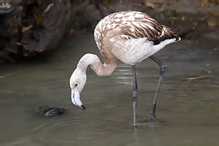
pixel 96 65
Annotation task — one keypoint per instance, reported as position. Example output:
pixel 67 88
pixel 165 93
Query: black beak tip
pixel 83 108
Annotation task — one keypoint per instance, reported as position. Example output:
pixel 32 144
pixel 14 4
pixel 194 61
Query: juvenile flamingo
pixel 131 37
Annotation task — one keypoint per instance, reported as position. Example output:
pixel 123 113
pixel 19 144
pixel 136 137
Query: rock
pixel 49 20
pixel 10 34
pixel 32 27
pixel 47 111
pixel 54 111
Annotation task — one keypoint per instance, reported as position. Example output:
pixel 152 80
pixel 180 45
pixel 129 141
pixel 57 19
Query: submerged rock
pixel 54 111
pixel 47 111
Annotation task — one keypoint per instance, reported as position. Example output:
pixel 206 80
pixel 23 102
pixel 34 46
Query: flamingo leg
pixel 152 115
pixel 134 95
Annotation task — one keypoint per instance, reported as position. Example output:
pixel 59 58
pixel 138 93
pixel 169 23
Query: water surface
pixel 187 112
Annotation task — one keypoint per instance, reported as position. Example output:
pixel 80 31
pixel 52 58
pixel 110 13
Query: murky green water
pixel 187 113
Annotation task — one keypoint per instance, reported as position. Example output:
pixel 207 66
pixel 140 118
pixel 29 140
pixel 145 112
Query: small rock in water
pixel 46 111
pixel 54 111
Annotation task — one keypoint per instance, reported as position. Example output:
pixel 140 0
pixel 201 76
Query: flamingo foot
pixel 151 117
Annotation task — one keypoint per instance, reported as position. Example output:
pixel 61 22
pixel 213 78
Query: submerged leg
pixel 162 70
pixel 134 95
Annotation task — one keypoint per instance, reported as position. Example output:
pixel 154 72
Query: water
pixel 187 112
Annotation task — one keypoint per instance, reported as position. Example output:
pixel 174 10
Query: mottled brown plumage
pixel 117 33
pixel 135 25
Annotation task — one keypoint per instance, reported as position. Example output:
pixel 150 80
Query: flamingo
pixel 131 37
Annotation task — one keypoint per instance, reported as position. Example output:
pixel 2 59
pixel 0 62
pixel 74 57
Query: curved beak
pixel 75 98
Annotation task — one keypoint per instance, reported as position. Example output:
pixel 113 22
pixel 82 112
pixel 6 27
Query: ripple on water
pixel 74 130
pixel 151 124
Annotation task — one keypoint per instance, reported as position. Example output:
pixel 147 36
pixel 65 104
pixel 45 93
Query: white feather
pixel 151 27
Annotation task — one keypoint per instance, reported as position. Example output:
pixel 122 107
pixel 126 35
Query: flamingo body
pixel 131 36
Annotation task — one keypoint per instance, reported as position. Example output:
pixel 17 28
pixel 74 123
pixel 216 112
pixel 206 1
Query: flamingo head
pixel 77 82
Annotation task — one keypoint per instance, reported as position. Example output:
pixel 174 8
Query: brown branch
pixel 13 73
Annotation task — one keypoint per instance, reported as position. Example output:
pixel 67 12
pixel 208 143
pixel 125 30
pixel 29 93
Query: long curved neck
pixel 96 65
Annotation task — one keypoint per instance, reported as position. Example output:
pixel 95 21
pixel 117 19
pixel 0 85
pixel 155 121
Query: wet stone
pixel 47 111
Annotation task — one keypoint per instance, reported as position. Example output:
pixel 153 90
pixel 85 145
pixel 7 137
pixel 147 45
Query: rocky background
pixel 32 27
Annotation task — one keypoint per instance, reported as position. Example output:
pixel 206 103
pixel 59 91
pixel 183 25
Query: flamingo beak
pixel 75 98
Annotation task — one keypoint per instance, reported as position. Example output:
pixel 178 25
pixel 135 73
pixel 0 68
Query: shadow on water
pixel 187 109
